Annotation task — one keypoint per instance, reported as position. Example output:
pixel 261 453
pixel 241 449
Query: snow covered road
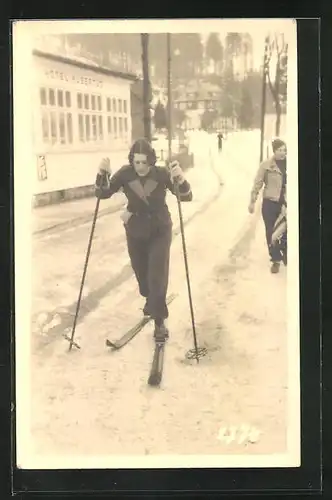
pixel 94 401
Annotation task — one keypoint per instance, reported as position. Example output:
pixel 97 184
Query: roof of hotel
pixel 86 65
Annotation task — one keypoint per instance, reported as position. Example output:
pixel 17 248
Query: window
pixel 113 106
pixel 81 128
pixel 87 127
pixel 68 100
pixel 90 120
pixel 82 116
pixel 100 127
pixel 56 116
pixel 94 127
pixel 60 98
pixel 43 98
pixel 64 113
pixel 62 128
pixel 70 127
pixel 53 127
pixel 51 96
pixel 45 126
pixel 118 114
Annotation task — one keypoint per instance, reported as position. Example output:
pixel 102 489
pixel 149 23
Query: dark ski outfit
pixel 273 175
pixel 147 224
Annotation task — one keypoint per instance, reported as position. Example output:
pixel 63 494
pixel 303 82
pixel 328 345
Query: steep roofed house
pixel 196 98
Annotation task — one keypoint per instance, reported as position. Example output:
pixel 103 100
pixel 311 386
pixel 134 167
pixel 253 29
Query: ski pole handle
pixel 102 180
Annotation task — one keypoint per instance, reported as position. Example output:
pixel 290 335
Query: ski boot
pixel 161 333
pixel 146 311
pixel 275 267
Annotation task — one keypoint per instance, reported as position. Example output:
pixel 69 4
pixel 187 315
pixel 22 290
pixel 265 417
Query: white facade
pixel 80 115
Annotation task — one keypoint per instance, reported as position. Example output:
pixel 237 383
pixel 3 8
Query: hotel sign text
pixel 82 80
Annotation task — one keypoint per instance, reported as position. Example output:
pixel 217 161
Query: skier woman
pixel 272 173
pixel 147 221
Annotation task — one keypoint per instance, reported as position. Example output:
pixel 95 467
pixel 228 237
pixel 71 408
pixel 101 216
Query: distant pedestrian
pixel 220 139
pixel 272 173
pixel 147 221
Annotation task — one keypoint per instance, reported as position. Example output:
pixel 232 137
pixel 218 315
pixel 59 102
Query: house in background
pixel 196 98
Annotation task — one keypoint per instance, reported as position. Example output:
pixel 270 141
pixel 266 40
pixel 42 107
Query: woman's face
pixel 280 153
pixel 141 164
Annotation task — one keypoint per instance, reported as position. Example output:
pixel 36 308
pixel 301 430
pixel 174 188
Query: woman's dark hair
pixel 142 146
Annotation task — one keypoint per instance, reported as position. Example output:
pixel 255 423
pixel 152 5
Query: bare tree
pixel 278 48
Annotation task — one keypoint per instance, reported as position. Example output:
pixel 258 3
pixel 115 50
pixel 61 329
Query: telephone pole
pixel 146 86
pixel 263 109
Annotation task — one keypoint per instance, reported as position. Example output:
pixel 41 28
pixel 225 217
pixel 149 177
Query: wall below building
pixel 72 175
pixel 54 197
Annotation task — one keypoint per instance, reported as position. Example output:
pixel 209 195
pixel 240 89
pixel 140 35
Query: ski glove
pixel 103 175
pixel 176 172
pixel 105 166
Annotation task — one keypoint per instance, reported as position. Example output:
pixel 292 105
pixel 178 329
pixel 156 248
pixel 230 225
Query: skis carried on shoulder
pixel 130 334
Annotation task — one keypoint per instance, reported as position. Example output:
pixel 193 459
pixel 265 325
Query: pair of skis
pixel 156 370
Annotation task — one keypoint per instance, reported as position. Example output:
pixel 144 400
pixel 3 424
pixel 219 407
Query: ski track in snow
pixel 95 401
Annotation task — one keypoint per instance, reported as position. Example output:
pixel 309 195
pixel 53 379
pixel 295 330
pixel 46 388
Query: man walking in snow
pixel 147 221
pixel 272 173
pixel 220 139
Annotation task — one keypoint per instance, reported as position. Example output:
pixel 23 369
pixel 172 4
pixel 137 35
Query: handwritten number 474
pixel 239 434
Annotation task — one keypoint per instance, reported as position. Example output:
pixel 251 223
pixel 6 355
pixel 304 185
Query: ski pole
pixel 71 339
pixel 185 256
pixel 169 82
